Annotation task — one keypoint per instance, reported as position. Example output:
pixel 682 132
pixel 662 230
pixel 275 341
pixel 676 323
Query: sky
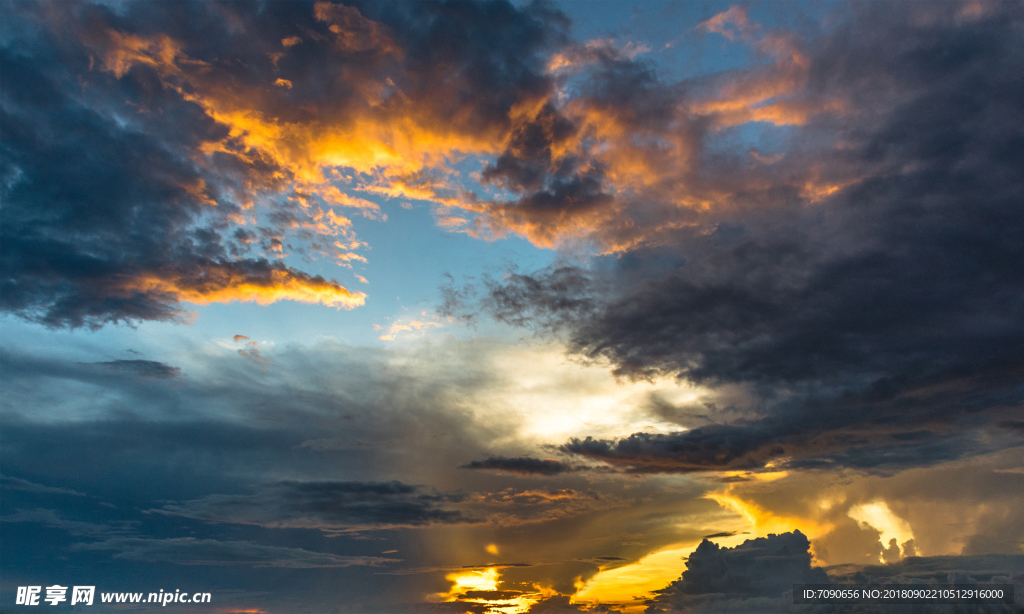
pixel 509 308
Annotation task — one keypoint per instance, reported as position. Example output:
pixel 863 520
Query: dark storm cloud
pixel 192 551
pixel 889 427
pixel 108 217
pixel 229 426
pixel 878 323
pixel 762 567
pixel 521 465
pixel 128 159
pixel 330 506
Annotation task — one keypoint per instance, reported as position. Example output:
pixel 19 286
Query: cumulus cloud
pixel 762 567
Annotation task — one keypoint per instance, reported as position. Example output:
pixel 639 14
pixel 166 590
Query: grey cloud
pixel 56 520
pixel 762 567
pixel 559 604
pixel 980 568
pixel 876 327
pixel 722 534
pixel 145 218
pixel 140 368
pixel 229 424
pixel 329 506
pixel 192 551
pixel 883 430
pixel 11 483
pixel 521 465
pixel 78 237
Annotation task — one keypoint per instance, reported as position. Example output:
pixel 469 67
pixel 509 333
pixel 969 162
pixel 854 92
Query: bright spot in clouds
pixel 878 516
pixel 553 398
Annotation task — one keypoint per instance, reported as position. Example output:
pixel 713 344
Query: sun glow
pixel 480 587
pixel 554 398
pixel 878 516
pixel 763 521
pixel 630 584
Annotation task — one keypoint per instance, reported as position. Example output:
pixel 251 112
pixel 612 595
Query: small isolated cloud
pixel 251 352
pixel 192 551
pixel 512 506
pixel 397 327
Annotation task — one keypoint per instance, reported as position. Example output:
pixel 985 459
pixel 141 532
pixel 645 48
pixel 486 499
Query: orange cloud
pixel 355 32
pixel 398 143
pixel 225 283
pixel 398 327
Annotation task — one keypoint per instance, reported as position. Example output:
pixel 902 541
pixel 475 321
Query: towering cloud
pixel 762 567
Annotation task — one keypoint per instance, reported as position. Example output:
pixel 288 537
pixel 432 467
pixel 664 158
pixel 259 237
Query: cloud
pixel 332 507
pixel 192 551
pixel 762 567
pixel 880 431
pixel 56 520
pixel 869 312
pixel 24 485
pixel 512 506
pixel 136 226
pixel 521 465
pixel 722 534
pixel 981 568
pixel 140 368
pixel 194 178
pixel 251 351
pixel 397 327
pixel 617 159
